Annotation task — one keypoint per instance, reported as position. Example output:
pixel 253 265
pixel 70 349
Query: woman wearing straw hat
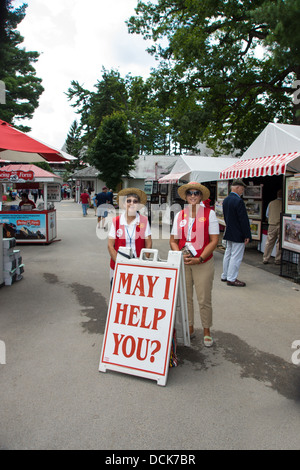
pixel 130 229
pixel 196 232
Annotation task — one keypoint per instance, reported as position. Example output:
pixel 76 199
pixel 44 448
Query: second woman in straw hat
pixel 196 233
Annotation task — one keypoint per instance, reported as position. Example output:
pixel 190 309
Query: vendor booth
pixel 196 168
pixel 25 224
pixel 192 168
pixel 189 168
pixel 1 255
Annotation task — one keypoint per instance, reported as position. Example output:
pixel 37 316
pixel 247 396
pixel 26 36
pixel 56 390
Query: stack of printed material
pixel 13 267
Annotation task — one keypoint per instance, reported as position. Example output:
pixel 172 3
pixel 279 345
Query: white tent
pixel 152 166
pixel 275 139
pixel 197 168
pixel 276 151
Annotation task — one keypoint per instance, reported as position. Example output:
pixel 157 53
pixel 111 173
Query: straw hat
pixel 193 185
pixel 124 192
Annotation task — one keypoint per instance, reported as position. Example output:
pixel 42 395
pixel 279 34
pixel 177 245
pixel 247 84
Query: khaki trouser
pixel 201 276
pixel 273 235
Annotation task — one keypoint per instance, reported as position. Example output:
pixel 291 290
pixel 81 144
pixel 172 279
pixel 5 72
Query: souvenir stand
pixel 283 171
pixel 16 146
pixel 1 255
pixel 30 225
pixel 290 239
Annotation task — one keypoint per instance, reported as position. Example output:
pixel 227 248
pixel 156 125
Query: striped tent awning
pixel 264 166
pixel 171 178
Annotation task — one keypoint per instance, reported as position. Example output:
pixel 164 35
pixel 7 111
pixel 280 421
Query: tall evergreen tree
pixel 112 151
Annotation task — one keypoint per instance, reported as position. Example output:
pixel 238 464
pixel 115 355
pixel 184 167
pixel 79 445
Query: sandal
pixel 208 341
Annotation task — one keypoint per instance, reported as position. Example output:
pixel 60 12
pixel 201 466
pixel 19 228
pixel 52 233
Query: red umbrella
pixel 20 147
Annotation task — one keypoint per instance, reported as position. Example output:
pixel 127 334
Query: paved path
pixel 243 393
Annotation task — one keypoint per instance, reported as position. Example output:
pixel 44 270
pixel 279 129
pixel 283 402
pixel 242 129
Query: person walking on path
pixel 85 201
pixel 103 199
pixel 94 202
pixel 273 214
pixel 195 232
pixel 237 233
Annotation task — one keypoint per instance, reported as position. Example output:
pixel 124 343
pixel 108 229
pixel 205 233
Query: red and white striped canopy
pixel 264 166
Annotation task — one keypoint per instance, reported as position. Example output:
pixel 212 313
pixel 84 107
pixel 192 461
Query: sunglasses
pixel 193 193
pixel 133 201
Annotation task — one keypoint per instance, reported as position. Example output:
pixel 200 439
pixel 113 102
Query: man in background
pixel 85 201
pixel 237 233
pixel 273 214
pixel 102 200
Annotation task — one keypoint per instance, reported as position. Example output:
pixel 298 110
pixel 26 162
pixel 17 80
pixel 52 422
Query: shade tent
pixel 20 147
pixel 196 168
pixel 40 175
pixel 265 166
pixel 275 151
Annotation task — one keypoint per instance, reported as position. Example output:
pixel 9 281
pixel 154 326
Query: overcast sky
pixel 75 39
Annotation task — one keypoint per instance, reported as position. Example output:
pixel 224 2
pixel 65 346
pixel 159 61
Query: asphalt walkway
pixel 243 393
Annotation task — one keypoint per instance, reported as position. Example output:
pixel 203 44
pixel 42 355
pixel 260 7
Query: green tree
pixel 232 64
pixel 112 151
pixel 16 69
pixel 74 148
pixel 133 97
pixel 110 95
pixel 147 119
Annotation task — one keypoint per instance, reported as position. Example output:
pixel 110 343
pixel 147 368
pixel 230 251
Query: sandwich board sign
pixel 147 294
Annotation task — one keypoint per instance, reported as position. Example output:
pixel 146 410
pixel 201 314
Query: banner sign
pixel 16 175
pixel 141 317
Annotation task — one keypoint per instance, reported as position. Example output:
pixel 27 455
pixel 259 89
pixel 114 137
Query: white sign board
pixel 53 192
pixel 141 316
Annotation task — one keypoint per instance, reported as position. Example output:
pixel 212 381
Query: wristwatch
pixel 201 260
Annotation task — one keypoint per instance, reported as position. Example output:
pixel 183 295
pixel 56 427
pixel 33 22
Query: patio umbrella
pixel 19 147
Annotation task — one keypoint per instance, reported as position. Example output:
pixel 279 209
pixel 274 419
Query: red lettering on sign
pixel 134 318
pixel 167 287
pixel 158 317
pixel 129 347
pixel 117 342
pixel 118 311
pixel 125 282
pixel 37 223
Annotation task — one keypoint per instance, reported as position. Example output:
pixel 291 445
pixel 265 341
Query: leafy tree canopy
pixel 228 64
pixel 134 98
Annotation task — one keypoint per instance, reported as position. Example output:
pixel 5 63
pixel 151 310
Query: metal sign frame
pixel 148 299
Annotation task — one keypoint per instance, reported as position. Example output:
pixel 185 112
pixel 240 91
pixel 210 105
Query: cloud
pixel 76 39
